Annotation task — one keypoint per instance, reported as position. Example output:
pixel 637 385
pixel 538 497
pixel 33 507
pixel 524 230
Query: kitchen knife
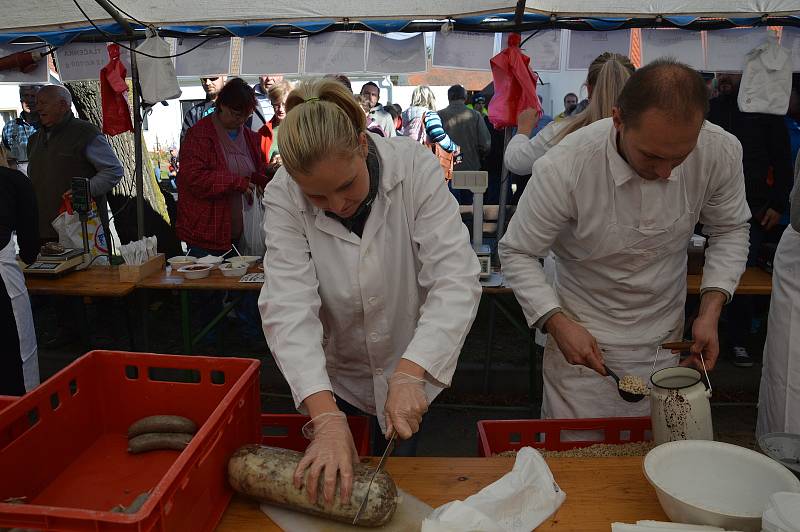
pixel 384 456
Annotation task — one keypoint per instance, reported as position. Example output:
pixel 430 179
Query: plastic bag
pixel 114 95
pixel 514 85
pixel 156 76
pixel 767 79
pixel 519 501
pixel 253 241
pixel 68 226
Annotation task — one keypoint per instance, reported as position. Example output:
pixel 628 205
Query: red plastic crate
pixel 63 446
pixel 285 431
pixel 497 436
pixel 6 400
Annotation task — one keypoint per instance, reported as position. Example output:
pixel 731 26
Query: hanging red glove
pixel 514 85
pixel 114 95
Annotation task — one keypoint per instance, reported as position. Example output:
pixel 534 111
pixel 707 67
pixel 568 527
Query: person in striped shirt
pixel 422 123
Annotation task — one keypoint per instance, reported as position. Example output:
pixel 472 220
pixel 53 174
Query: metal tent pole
pixel 519 11
pixel 504 177
pixel 137 119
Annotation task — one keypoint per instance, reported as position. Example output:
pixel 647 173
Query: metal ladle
pixel 628 396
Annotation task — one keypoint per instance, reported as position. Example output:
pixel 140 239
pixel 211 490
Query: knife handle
pixel 677 346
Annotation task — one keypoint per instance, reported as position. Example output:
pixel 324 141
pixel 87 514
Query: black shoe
pixel 741 358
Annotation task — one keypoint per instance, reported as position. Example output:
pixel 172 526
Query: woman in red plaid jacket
pixel 221 162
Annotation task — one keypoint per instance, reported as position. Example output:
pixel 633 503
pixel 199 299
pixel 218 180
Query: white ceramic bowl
pixel 783 447
pixel 181 260
pixel 245 259
pixel 209 259
pixel 196 271
pixel 713 483
pixel 233 269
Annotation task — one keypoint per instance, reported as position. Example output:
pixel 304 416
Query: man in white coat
pixel 779 394
pixel 617 202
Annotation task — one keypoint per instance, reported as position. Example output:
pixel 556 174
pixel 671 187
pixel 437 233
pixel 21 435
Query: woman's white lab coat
pixel 340 311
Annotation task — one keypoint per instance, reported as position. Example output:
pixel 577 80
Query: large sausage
pixel 266 474
pixel 152 424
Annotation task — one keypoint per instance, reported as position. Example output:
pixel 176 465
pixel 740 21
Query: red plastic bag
pixel 114 95
pixel 514 85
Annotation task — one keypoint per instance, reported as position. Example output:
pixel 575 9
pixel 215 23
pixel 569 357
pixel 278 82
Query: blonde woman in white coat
pixel 779 396
pixel 371 283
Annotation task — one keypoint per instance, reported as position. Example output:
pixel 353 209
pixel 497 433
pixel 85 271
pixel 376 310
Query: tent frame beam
pixel 576 24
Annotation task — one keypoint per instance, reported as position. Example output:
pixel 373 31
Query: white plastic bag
pixel 156 76
pixel 520 501
pixel 766 80
pixel 253 241
pixel 70 235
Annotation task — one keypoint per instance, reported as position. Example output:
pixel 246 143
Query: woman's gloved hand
pixel 331 452
pixel 405 405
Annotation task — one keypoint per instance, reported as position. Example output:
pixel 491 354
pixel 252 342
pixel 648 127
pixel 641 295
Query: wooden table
pixel 215 281
pixel 96 281
pixel 754 281
pixel 599 491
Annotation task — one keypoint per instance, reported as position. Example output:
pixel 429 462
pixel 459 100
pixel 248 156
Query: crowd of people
pixel 371 284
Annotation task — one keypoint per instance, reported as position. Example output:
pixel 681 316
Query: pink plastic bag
pixel 514 85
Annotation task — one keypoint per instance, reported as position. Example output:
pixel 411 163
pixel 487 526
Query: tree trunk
pixel 159 210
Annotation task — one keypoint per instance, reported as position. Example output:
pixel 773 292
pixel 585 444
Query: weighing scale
pixel 477 182
pixel 70 259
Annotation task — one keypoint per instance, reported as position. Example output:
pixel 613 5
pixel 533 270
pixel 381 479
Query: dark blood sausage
pixel 162 424
pixel 157 441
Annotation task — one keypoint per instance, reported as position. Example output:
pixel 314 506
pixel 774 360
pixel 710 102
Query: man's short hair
pixel 60 92
pixel 567 95
pixel 456 92
pixel 36 87
pixel 666 85
pixel 368 84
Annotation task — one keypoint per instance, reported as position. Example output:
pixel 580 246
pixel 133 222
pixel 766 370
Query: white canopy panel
pixel 634 8
pixel 63 13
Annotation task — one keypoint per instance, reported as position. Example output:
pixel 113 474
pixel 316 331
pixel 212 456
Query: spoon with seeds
pixel 630 387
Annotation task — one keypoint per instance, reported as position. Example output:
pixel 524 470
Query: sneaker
pixel 741 358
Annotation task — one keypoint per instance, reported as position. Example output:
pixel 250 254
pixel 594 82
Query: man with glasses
pixel 212 85
pixel 17 132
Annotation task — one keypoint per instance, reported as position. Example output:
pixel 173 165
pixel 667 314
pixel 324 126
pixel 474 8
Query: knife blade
pixel 381 463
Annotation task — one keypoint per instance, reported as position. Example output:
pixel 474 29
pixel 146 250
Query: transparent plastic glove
pixel 406 402
pixel 331 451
